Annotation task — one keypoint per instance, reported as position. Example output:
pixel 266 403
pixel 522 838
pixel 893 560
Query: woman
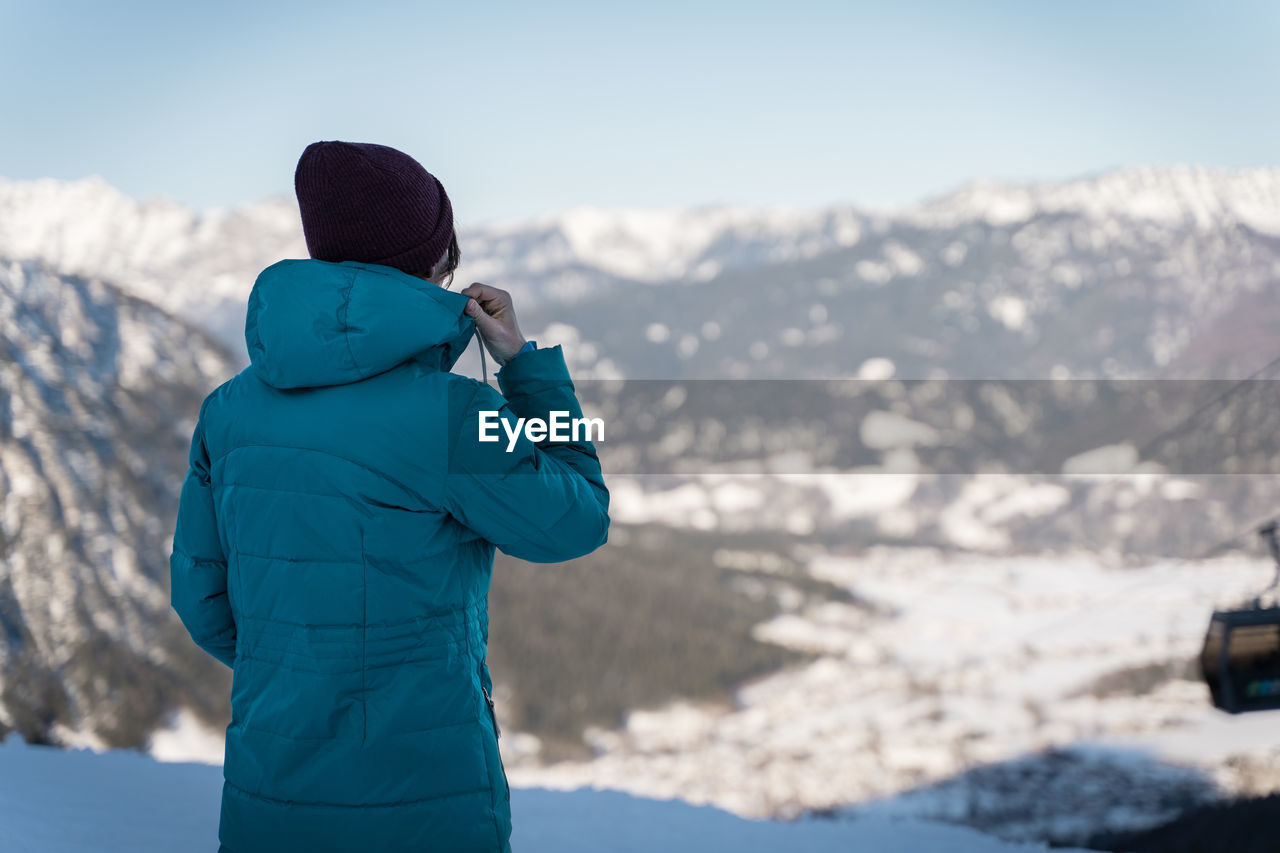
pixel 336 529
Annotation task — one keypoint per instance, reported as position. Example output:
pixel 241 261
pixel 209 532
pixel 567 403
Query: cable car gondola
pixel 1240 660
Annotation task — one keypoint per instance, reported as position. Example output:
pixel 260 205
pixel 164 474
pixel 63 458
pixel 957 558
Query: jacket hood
pixel 313 323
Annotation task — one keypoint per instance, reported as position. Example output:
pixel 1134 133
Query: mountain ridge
pixel 201 264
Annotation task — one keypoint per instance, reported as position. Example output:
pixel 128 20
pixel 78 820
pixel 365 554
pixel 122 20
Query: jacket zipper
pixel 497 733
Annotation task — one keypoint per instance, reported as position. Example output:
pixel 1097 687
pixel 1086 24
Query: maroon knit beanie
pixel 371 203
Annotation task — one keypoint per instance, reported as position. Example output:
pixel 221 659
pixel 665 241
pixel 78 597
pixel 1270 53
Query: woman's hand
pixel 495 320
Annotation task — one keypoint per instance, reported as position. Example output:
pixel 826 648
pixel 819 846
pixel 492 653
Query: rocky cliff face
pixel 98 395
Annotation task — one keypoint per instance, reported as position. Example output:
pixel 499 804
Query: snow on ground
pixel 69 801
pixel 187 739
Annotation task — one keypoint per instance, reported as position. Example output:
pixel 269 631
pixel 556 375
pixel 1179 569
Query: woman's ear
pixel 442 272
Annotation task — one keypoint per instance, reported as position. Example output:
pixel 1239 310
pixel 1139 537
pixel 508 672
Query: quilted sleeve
pixel 543 501
pixel 197 565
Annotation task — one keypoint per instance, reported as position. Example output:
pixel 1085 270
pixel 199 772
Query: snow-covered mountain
pixel 195 265
pixel 1208 199
pixel 98 392
pixel 1141 272
pixel 1148 273
pixel 201 264
pixel 1138 274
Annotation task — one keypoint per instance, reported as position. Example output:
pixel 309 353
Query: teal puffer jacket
pixel 334 545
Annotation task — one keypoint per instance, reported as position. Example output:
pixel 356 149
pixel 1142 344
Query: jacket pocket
pixel 497 733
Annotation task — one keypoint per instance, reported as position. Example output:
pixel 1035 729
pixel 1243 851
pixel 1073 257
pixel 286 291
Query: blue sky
pixel 524 108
